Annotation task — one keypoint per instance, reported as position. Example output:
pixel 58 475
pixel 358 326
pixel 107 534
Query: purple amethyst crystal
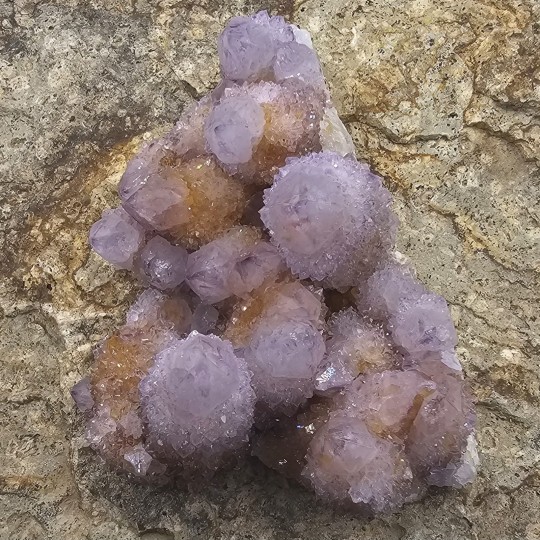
pixel 278 331
pixel 386 289
pixel 267 48
pixel 254 127
pixel 297 61
pixel 356 346
pixel 82 395
pixel 178 194
pixel 117 237
pixel 248 46
pixel 284 357
pixel 232 265
pixel 157 310
pixel 419 321
pixel 389 401
pixel 234 128
pixel 349 464
pixel 441 443
pixel 139 459
pixel 330 217
pixel 205 318
pixel 161 264
pixel 197 402
pixel 435 364
pixel 424 325
pixel 277 316
pixel 148 190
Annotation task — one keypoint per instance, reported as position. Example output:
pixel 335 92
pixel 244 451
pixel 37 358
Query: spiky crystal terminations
pixel 277 320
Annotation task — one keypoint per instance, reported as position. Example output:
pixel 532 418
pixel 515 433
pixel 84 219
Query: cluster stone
pixel 277 319
pixel 235 264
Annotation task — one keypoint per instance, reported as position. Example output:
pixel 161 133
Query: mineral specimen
pixel 255 127
pixel 191 201
pixel 330 217
pixel 277 318
pixel 354 346
pixel 117 237
pixel 278 330
pixel 249 46
pixel 161 264
pixel 348 463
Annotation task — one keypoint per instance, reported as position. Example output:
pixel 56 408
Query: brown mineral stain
pixel 516 382
pixel 291 129
pixel 120 363
pixel 244 316
pixel 402 428
pixel 247 312
pixel 54 243
pixel 268 158
pixel 380 91
pixel 375 358
pixel 21 482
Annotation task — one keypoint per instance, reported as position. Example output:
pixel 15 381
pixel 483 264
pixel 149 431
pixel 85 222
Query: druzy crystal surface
pixel 277 319
pixel 197 402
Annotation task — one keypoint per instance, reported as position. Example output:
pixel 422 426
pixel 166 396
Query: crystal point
pixel 330 217
pixel 193 385
pixel 161 264
pixel 117 237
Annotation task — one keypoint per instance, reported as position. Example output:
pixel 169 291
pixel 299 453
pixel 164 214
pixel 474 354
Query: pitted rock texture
pixel 441 98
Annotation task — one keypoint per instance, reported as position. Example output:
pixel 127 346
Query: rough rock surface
pixel 443 101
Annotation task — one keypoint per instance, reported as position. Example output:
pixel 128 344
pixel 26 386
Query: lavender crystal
pixel 117 237
pixel 330 217
pixel 254 127
pixel 347 463
pixel 298 61
pixel 355 346
pixel 205 318
pixel 278 331
pixel 248 46
pixel 233 265
pixel 360 397
pixel 234 128
pixel 82 395
pixel 197 401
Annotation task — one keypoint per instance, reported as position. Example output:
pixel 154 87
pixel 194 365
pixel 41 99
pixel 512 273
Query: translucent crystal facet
pixel 356 346
pixel 234 264
pixel 161 264
pixel 234 128
pixel 248 46
pixel 117 237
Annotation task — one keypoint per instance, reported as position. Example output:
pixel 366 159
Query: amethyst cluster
pixel 277 320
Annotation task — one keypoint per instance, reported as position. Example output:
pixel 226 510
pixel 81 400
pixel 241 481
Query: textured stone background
pixel 443 99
